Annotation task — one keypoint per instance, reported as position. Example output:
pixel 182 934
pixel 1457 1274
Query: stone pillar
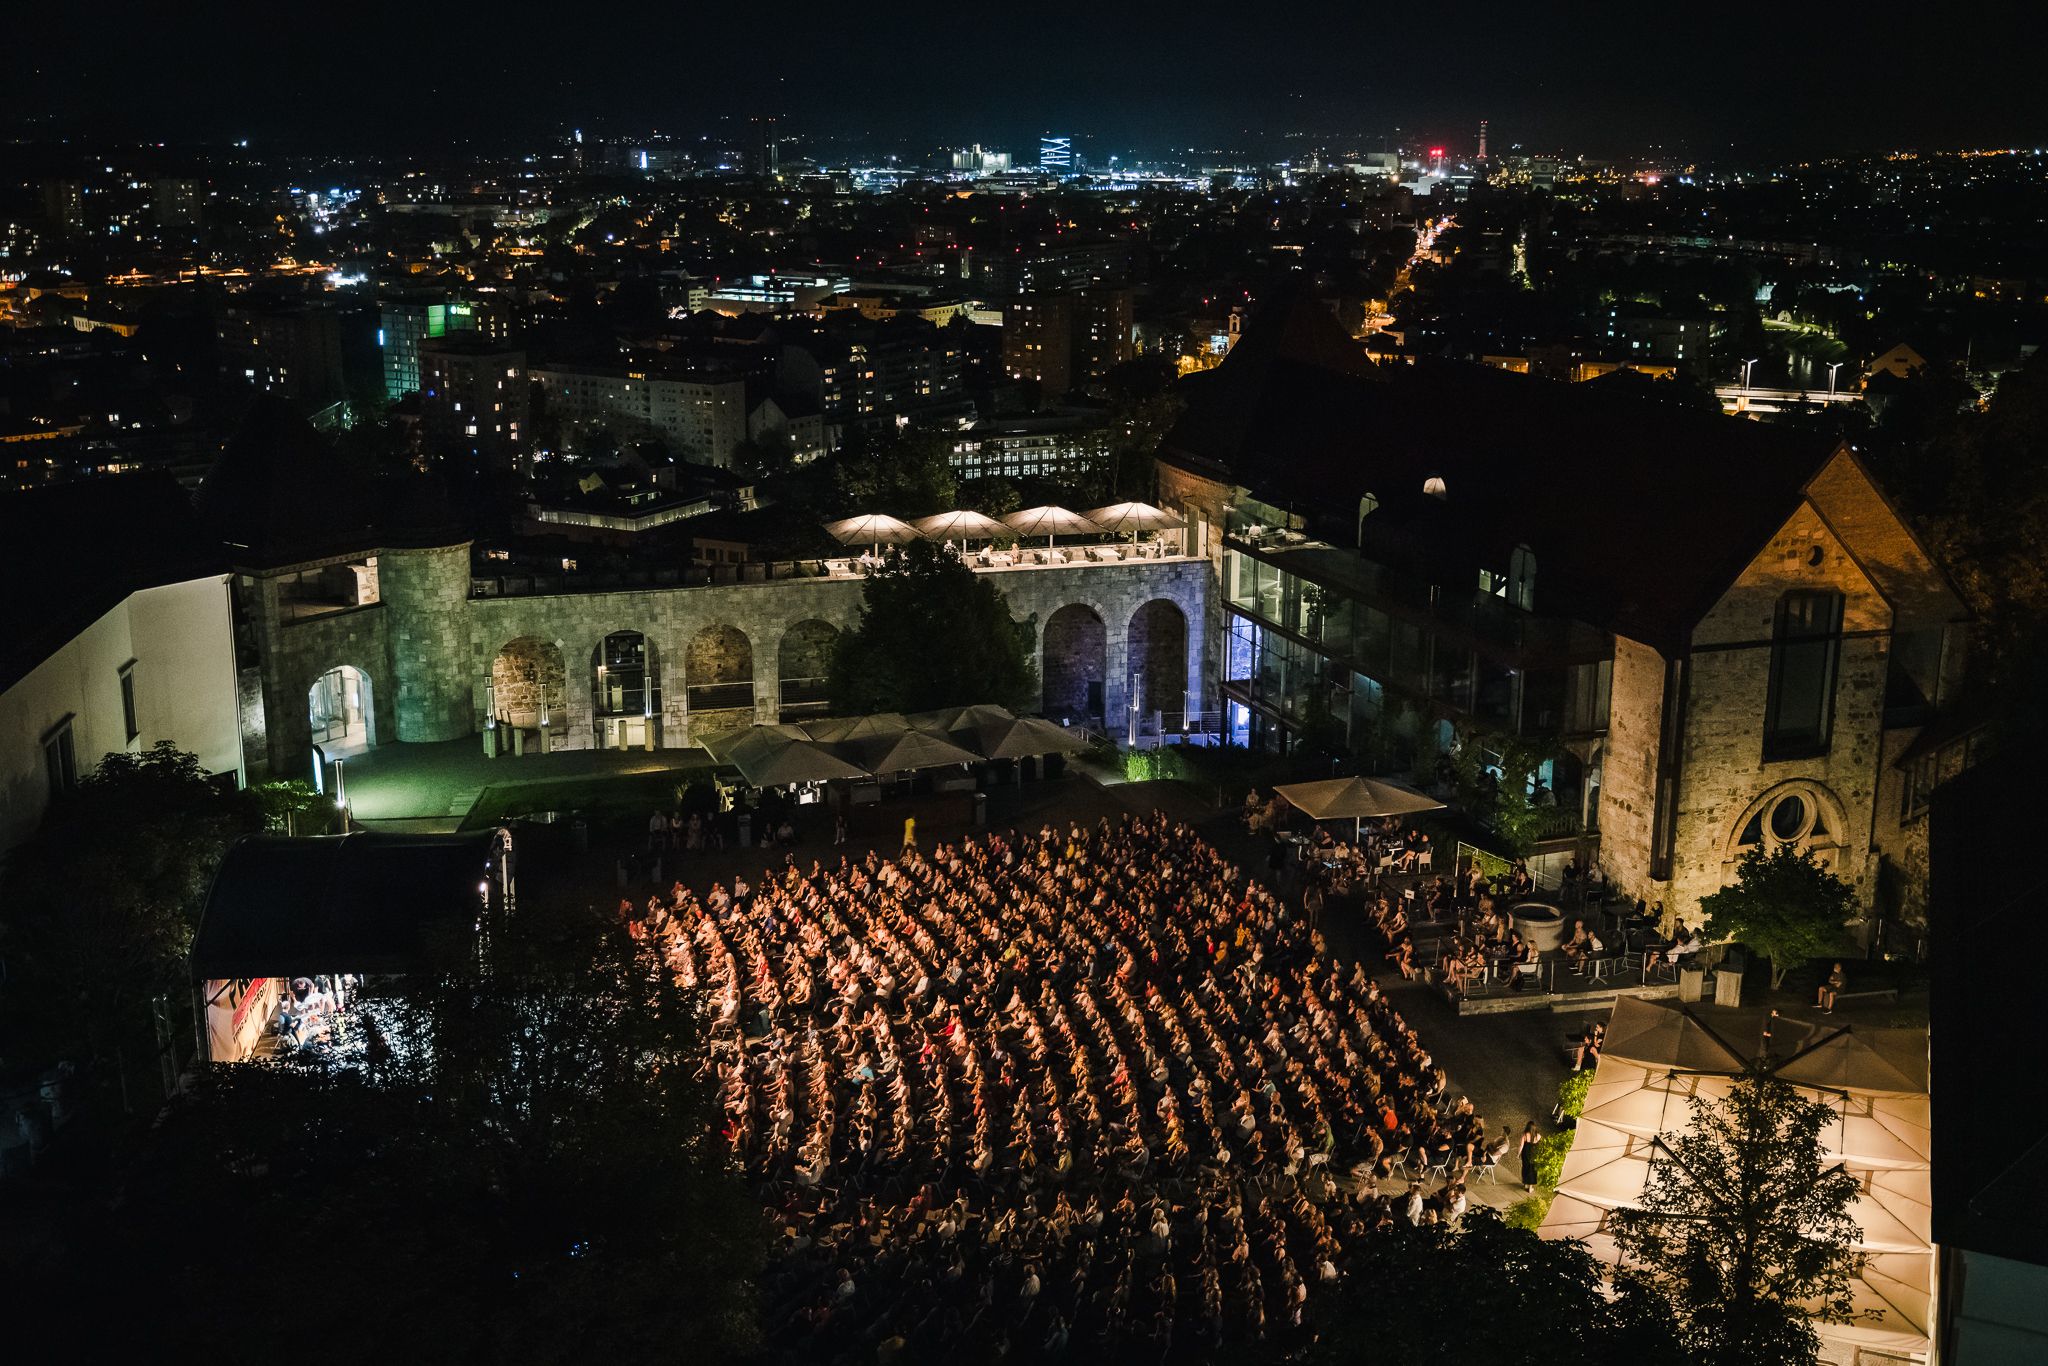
pixel 425 593
pixel 768 683
pixel 675 725
pixel 1116 676
pixel 579 726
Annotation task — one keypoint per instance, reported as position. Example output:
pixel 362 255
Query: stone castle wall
pixel 1628 783
pixel 757 631
pixel 427 594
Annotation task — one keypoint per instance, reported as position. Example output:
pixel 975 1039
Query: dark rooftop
pixel 1597 481
pixel 72 552
pixel 365 902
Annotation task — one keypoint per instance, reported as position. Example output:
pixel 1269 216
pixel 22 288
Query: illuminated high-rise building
pixel 1482 139
pixel 1055 154
pixel 767 147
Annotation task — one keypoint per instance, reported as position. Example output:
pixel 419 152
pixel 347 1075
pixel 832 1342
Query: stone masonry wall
pixel 427 592
pixel 1073 654
pixel 294 654
pixel 1724 776
pixel 1628 787
pixel 1202 501
pixel 763 612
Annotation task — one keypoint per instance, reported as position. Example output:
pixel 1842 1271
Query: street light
pixel 1746 367
pixel 1832 367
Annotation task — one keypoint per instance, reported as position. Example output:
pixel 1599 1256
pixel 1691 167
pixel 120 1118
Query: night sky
pixel 1796 77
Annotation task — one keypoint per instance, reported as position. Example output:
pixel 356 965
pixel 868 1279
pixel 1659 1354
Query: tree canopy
pixel 903 472
pixel 1488 1293
pixel 1784 905
pixel 932 633
pixel 101 905
pixel 1744 1229
pixel 514 1163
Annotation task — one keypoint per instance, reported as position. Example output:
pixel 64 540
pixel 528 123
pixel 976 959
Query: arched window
pixel 1806 645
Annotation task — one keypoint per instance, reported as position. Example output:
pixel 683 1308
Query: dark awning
pixel 364 902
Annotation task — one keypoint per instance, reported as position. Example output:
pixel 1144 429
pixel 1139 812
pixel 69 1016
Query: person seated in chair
pixel 1579 946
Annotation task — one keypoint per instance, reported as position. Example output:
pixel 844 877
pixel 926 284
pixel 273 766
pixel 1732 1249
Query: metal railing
pixel 806 692
pixel 557 582
pixel 720 696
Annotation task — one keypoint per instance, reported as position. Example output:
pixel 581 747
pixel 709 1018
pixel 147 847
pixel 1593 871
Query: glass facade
pixel 1344 638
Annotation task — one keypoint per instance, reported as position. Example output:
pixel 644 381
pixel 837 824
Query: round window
pixel 1788 818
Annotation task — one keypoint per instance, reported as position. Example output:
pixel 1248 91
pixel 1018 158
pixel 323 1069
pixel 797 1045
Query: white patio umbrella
pixel 1119 518
pixel 1049 522
pixel 1354 799
pixel 965 526
pixel 877 529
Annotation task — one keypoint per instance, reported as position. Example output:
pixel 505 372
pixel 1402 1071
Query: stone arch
pixel 1074 662
pixel 1158 659
pixel 1799 812
pixel 341 710
pixel 625 688
pixel 529 684
pixel 803 665
pixel 718 670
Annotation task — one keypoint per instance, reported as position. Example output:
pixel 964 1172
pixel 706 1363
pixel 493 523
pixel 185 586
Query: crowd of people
pixel 1080 1092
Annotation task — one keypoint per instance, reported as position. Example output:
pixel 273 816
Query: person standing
pixel 657 831
pixel 1529 1142
pixel 839 830
pixel 910 832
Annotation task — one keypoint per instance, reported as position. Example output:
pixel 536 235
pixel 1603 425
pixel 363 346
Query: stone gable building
pixel 1724 633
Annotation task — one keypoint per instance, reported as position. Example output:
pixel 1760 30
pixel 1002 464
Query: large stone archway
pixel 1157 657
pixel 530 685
pixel 1074 663
pixel 803 666
pixel 341 710
pixel 718 679
pixel 625 691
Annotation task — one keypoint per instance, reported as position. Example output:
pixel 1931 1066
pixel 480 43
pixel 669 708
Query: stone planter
pixel 1541 924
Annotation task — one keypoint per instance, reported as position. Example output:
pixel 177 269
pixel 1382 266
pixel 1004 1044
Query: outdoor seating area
pixel 1472 926
pixel 1093 1077
pixel 1003 543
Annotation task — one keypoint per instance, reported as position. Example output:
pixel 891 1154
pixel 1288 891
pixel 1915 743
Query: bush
pixel 1550 1153
pixel 1166 763
pixel 1528 1214
pixel 1571 1094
